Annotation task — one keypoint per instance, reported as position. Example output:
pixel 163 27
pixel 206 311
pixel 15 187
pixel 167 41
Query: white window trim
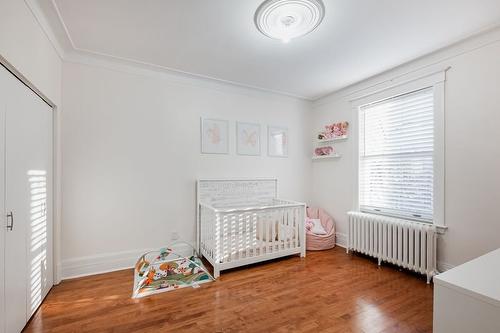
pixel 436 80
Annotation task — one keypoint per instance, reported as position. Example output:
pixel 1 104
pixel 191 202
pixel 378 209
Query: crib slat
pixel 295 221
pixel 286 232
pixel 227 238
pixel 241 240
pixel 261 235
pixel 233 238
pixel 275 225
pixel 224 238
pixel 205 233
pixel 268 232
pixel 272 226
pixel 286 238
pixel 221 238
pixel 215 229
pixel 213 234
pixel 253 239
pixel 248 232
pixel 296 233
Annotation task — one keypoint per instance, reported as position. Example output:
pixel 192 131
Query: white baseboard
pixel 341 239
pixel 109 262
pixel 58 274
pixel 443 266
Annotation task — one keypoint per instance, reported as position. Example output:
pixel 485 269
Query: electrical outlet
pixel 174 236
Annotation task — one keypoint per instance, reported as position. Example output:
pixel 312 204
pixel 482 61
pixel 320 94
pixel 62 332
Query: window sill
pixel 441 229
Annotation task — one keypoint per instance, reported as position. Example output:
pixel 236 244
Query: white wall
pixel 472 190
pixel 25 46
pixel 131 155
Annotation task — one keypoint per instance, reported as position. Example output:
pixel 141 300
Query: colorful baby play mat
pixel 166 270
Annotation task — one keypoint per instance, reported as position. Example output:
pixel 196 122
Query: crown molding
pixel 69 52
pixel 125 64
pixel 430 62
pixel 73 54
pixel 42 21
pixel 150 70
pixel 63 24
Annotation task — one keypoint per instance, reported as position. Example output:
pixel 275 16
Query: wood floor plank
pixel 328 291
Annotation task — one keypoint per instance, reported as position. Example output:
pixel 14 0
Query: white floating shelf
pixel 333 139
pixel 326 157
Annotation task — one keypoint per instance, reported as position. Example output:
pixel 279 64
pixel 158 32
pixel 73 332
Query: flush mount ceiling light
pixel 287 19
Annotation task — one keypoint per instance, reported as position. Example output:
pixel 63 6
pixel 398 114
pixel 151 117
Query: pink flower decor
pixel 343 128
pixel 323 151
pixel 334 131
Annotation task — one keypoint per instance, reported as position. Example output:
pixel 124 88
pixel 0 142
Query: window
pixel 396 156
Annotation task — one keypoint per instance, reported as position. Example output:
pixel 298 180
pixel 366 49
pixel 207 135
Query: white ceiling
pixel 218 39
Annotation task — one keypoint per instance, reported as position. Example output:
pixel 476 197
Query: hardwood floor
pixel 328 291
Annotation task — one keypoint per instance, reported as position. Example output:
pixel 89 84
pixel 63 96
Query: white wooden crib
pixel 242 221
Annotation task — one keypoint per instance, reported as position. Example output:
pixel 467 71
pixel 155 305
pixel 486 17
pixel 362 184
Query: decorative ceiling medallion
pixel 288 19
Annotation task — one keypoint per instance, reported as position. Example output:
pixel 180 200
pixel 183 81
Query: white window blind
pixel 396 156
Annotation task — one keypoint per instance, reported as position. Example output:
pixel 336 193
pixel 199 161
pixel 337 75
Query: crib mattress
pixel 240 246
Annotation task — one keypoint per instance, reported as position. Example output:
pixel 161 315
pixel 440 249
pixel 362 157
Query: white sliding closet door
pixel 2 199
pixel 28 179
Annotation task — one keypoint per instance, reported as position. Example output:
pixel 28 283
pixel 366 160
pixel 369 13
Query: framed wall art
pixel 277 141
pixel 214 136
pixel 247 139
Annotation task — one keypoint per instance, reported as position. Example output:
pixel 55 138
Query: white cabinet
pixel 467 297
pixel 26 204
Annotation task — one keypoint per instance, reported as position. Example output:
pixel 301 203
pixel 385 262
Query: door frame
pixel 56 170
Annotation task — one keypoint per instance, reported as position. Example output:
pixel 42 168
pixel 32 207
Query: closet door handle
pixel 10 217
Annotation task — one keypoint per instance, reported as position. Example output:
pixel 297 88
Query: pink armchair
pixel 320 242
